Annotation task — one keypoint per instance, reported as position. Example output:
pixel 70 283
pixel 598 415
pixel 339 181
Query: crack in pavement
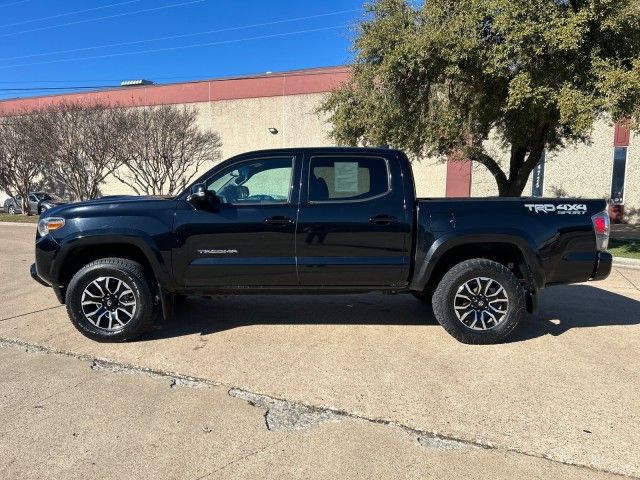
pixel 285 415
pixel 282 414
pixel 29 313
pixel 242 458
pixel 625 277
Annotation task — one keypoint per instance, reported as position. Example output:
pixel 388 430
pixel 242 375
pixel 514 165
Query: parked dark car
pixel 38 203
pixel 316 220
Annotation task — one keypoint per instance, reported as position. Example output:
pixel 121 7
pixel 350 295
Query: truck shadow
pixel 566 307
pixel 562 308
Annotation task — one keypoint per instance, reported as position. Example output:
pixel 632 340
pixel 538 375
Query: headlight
pixel 47 225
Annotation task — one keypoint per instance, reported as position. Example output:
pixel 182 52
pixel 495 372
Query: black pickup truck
pixel 316 220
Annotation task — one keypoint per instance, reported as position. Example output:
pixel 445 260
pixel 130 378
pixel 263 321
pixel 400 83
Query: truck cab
pixel 317 219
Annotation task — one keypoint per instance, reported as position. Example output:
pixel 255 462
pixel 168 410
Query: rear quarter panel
pixel 555 236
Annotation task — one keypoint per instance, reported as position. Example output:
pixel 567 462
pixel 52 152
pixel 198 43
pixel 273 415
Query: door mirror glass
pixel 200 197
pixel 197 195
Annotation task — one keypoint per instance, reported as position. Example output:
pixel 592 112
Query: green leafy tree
pixel 440 79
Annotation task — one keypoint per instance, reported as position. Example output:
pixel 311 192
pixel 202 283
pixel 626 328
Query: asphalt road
pixel 381 378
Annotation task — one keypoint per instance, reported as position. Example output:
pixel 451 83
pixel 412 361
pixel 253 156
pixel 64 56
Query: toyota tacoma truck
pixel 316 220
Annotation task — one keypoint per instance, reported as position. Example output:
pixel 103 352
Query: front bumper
pixel 34 274
pixel 603 266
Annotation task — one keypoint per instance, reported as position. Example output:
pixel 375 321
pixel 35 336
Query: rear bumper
pixel 603 266
pixel 34 274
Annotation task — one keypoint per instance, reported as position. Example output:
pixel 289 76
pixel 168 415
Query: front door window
pixel 264 181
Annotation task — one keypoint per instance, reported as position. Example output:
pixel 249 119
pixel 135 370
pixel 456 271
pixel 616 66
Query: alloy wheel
pixel 108 303
pixel 481 303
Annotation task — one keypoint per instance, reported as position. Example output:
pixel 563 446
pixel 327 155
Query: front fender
pixel 427 259
pixel 136 238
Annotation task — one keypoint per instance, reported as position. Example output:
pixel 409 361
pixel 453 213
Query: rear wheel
pixel 479 301
pixel 12 210
pixel 111 300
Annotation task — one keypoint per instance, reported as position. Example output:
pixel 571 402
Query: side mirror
pixel 198 195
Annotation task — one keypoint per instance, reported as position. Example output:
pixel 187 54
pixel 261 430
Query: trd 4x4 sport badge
pixel 561 209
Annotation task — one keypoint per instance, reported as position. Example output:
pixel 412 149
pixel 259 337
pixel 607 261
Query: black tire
pixel 445 296
pixel 140 284
pixel 425 298
pixel 12 210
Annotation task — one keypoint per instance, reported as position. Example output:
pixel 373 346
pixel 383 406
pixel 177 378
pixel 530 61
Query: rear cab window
pixel 349 178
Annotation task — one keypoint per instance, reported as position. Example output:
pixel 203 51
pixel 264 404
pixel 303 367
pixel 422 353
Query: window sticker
pixel 346 177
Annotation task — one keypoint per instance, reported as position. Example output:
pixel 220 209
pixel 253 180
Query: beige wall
pixel 244 125
pixel 582 170
pixel 632 183
pixel 430 177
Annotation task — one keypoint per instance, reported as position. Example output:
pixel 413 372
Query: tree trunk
pixel 25 207
pixel 522 162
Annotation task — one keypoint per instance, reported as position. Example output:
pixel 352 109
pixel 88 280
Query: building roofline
pixel 293 82
pixel 320 149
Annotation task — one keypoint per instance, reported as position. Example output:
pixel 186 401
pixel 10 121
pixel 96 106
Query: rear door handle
pixel 278 221
pixel 383 219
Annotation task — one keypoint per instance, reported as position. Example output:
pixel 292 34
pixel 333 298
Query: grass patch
pixel 19 218
pixel 625 248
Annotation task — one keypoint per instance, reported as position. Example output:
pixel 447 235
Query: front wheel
pixel 12 210
pixel 111 300
pixel 479 301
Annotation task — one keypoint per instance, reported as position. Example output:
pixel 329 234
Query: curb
pixel 621 262
pixel 20 224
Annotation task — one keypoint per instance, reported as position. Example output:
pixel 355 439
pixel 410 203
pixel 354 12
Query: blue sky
pixel 36 37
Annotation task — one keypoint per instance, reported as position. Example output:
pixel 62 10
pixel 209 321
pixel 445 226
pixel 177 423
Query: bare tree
pixel 164 149
pixel 82 143
pixel 20 161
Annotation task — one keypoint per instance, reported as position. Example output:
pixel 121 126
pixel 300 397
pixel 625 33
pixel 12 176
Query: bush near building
pixel 153 150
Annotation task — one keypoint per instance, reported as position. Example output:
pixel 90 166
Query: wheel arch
pixel 78 251
pixel 449 250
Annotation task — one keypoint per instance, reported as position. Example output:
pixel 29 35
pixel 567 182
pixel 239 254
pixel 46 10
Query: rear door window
pixel 347 178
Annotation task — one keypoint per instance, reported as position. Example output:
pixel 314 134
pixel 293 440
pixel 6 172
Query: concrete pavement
pixel 64 419
pixel 565 388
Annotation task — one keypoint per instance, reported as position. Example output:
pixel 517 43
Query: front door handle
pixel 383 220
pixel 278 221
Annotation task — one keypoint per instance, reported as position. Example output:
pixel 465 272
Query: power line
pixel 14 3
pixel 49 27
pixel 175 37
pixel 102 7
pixel 26 89
pixel 195 77
pixel 9 82
pixel 166 49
